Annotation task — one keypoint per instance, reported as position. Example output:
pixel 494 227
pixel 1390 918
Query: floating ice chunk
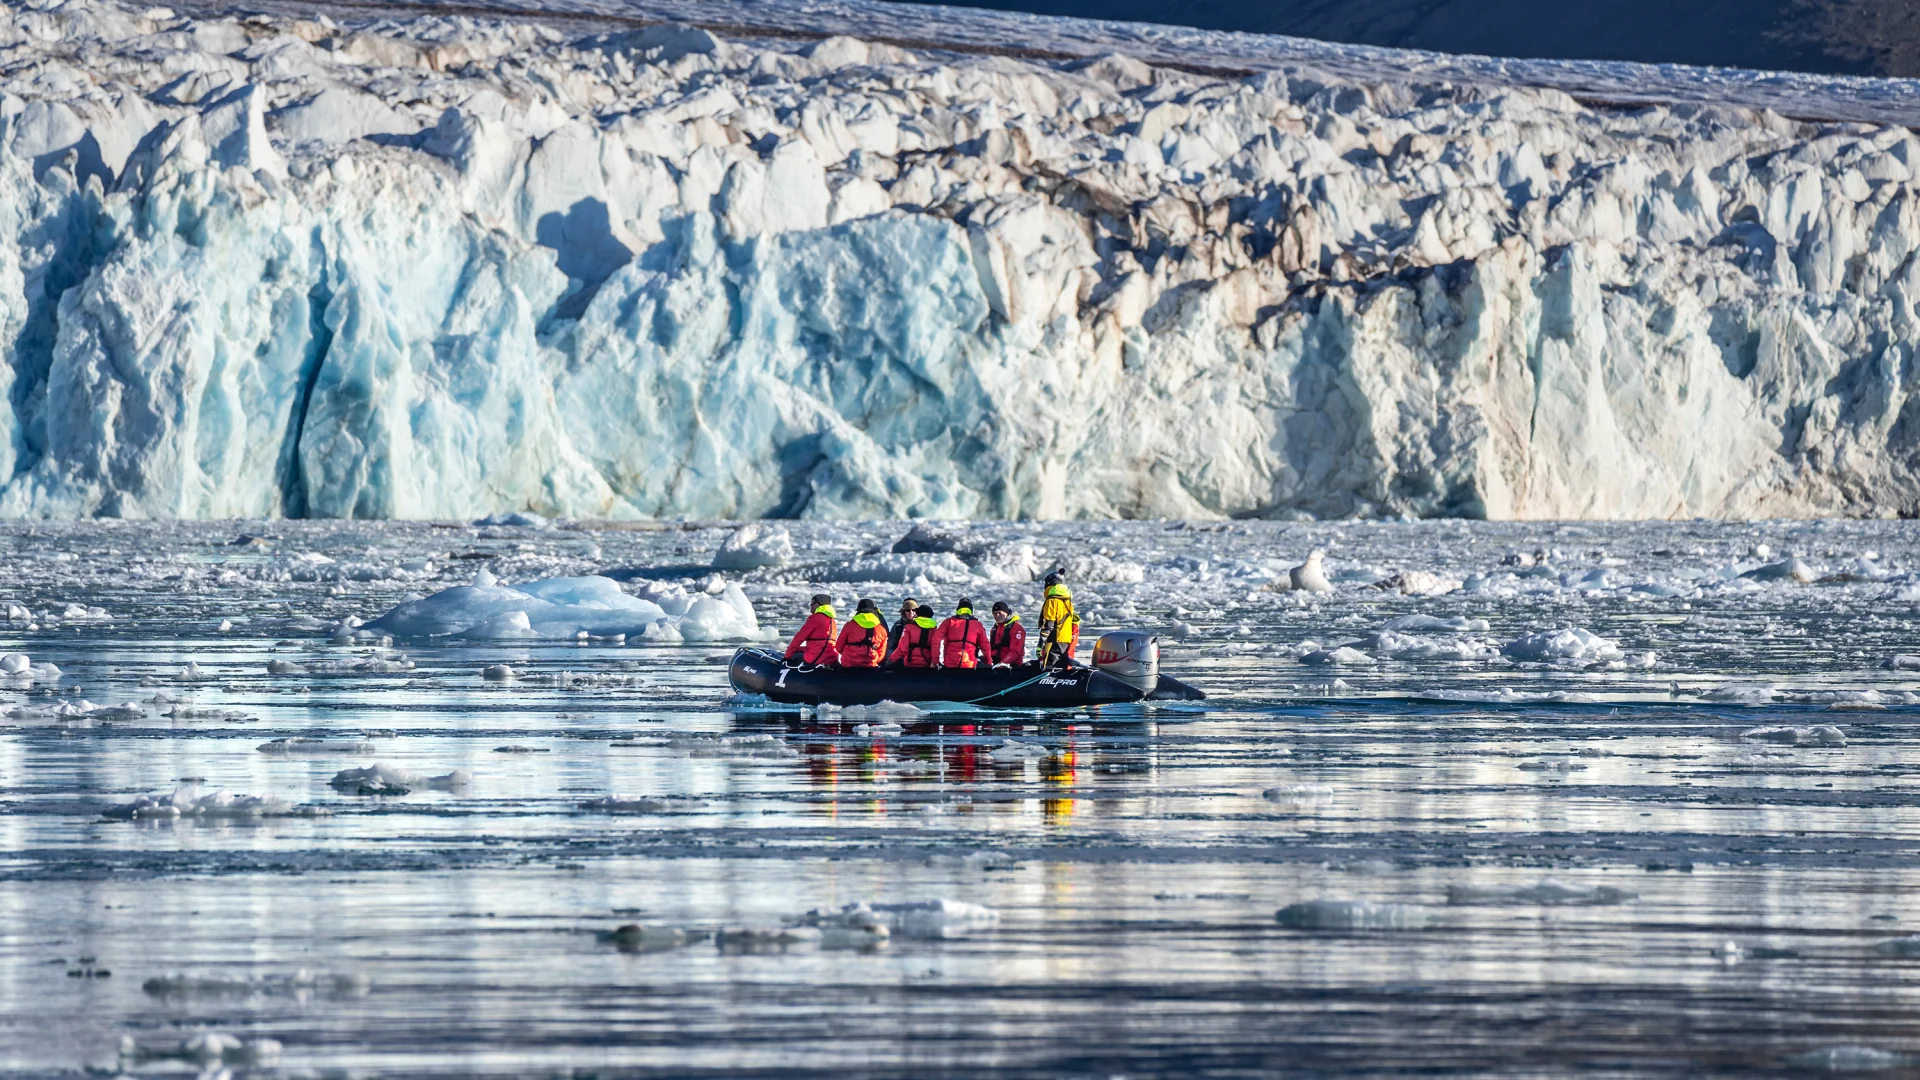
pixel 1101 568
pixel 620 804
pixel 1900 946
pixel 1786 570
pixel 1352 915
pixel 754 546
pixel 643 938
pixel 377 779
pixel 1458 624
pixel 206 1048
pixel 14 663
pixel 554 608
pixel 1743 693
pixel 702 744
pixel 1818 735
pixel 498 673
pixel 885 710
pixel 1850 1059
pixel 1399 646
pixel 300 746
pixel 1551 765
pixel 1571 644
pixel 300 984
pixel 193 672
pixel 877 731
pixel 520 519
pixel 1344 656
pixel 1903 662
pixel 284 667
pixel 186 801
pixel 943 568
pixel 851 926
pixel 1311 576
pixel 767 938
pixel 1548 892
pixel 1014 752
pixel 1299 796
pixel 941 918
pixel 1418 583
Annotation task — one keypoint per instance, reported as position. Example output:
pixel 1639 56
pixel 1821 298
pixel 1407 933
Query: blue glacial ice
pixel 444 267
pixel 573 607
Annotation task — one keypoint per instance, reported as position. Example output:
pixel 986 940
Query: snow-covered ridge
pixel 444 267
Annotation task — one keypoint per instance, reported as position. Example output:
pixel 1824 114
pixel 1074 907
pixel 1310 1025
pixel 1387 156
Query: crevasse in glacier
pixel 443 267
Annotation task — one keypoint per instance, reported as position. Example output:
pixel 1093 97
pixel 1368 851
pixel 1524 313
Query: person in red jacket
pixel 814 643
pixel 915 649
pixel 961 642
pixel 863 641
pixel 1009 639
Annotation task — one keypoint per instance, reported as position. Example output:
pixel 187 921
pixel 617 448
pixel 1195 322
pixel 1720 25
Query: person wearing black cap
pixel 1009 640
pixel 908 609
pixel 961 641
pixel 1059 624
pixel 814 643
pixel 863 641
pixel 915 647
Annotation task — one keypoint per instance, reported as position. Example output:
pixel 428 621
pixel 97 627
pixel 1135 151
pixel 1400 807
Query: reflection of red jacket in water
pixel 961 642
pixel 863 641
pixel 1010 643
pixel 814 643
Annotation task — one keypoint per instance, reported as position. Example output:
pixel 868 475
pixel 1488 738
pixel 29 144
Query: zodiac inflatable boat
pixel 1126 667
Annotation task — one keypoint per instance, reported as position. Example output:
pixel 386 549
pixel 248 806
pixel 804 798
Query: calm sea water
pixel 1699 861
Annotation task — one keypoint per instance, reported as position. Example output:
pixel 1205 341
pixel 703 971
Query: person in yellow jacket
pixel 1059 623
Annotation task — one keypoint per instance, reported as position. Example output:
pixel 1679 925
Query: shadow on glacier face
pixel 588 251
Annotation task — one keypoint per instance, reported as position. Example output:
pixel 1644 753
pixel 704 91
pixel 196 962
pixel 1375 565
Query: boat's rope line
pixel 1044 672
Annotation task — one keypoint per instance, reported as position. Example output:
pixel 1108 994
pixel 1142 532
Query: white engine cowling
pixel 1130 656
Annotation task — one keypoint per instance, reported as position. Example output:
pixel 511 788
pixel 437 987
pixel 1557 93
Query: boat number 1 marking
pixel 782 680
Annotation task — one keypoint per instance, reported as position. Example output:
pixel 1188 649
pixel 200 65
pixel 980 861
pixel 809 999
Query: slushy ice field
pixel 1510 798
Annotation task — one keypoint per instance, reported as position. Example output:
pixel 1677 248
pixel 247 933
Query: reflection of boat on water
pixel 1126 668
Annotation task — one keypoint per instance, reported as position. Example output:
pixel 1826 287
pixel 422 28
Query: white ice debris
pixel 1343 656
pixel 21 668
pixel 754 546
pixel 377 779
pixel 1352 915
pixel 301 746
pixel 941 918
pixel 566 608
pixel 186 801
pixel 207 1048
pixel 300 984
pixel 500 673
pixel 621 804
pixel 1015 752
pixel 707 744
pixel 1548 892
pixel 1817 735
pixel 1850 1059
pixel 1568 645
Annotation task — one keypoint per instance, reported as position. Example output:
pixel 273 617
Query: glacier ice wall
pixel 444 267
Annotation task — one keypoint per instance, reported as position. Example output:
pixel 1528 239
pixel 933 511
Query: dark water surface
pixel 1485 865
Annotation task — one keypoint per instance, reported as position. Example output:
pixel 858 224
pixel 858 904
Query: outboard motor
pixel 1130 656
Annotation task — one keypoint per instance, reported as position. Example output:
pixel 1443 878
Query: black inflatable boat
pixel 756 671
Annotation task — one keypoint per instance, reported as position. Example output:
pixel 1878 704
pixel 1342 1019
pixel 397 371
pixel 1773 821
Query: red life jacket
pixel 962 641
pixel 863 641
pixel 814 643
pixel 915 647
pixel 1010 642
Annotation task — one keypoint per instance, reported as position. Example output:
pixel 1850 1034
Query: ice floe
pixel 572 607
pixel 1352 915
pixel 378 779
